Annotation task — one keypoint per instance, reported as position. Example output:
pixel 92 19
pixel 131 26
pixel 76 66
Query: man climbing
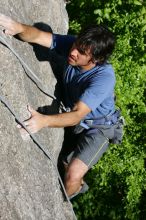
pixel 88 88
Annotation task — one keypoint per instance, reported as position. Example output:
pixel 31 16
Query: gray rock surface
pixel 29 186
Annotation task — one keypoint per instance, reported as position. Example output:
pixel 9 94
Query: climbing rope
pixel 42 148
pixel 31 74
pixel 39 84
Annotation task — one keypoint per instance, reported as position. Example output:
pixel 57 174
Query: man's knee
pixel 76 170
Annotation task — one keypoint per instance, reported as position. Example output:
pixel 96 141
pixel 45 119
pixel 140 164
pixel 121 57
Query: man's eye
pixel 81 51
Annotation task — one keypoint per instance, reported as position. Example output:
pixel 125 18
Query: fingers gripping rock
pixel 10 26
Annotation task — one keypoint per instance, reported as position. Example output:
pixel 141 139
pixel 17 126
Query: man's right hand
pixel 25 32
pixel 10 26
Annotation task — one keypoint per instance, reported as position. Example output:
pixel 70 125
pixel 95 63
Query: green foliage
pixel 118 181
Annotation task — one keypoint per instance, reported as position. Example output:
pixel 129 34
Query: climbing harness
pixel 39 84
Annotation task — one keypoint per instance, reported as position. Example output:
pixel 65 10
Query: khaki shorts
pixel 88 146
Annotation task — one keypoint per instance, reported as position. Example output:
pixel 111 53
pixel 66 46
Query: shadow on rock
pixel 49 109
pixel 56 61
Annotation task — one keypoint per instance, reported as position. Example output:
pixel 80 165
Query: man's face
pixel 82 59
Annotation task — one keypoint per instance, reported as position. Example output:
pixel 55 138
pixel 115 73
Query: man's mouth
pixel 71 59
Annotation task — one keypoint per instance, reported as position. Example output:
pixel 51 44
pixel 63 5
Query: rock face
pixel 29 186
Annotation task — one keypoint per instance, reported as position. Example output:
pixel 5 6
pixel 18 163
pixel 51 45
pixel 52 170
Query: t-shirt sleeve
pixel 97 90
pixel 62 43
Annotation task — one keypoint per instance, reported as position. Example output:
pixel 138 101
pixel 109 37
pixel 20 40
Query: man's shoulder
pixel 62 43
pixel 102 70
pixel 107 67
pixel 60 38
pixel 103 73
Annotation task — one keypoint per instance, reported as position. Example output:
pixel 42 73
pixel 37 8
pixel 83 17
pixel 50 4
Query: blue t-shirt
pixel 94 87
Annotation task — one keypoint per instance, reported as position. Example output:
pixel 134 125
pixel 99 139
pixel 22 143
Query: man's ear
pixel 99 60
pixel 92 60
pixel 95 61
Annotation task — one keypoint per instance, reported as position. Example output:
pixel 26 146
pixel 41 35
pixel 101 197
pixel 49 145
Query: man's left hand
pixel 36 122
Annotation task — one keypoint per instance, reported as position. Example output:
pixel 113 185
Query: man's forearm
pixel 34 35
pixel 38 121
pixel 28 33
pixel 25 32
pixel 63 119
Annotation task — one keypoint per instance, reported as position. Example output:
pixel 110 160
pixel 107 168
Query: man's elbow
pixel 77 118
pixel 80 110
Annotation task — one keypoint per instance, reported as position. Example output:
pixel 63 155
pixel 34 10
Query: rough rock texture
pixel 29 187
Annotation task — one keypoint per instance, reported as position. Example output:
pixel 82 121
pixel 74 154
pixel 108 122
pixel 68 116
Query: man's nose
pixel 74 52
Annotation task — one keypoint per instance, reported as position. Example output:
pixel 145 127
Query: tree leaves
pixel 118 182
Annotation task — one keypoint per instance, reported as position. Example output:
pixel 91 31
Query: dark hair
pixel 99 40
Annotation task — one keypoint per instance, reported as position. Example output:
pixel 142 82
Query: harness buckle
pixel 122 120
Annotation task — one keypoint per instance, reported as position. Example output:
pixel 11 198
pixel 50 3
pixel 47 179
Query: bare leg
pixel 74 176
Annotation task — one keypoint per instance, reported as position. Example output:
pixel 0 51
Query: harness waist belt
pixel 107 120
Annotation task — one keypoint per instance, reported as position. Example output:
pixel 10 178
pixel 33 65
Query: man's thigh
pixel 90 147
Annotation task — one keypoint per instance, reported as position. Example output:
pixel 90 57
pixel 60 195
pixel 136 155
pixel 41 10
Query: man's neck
pixel 87 67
